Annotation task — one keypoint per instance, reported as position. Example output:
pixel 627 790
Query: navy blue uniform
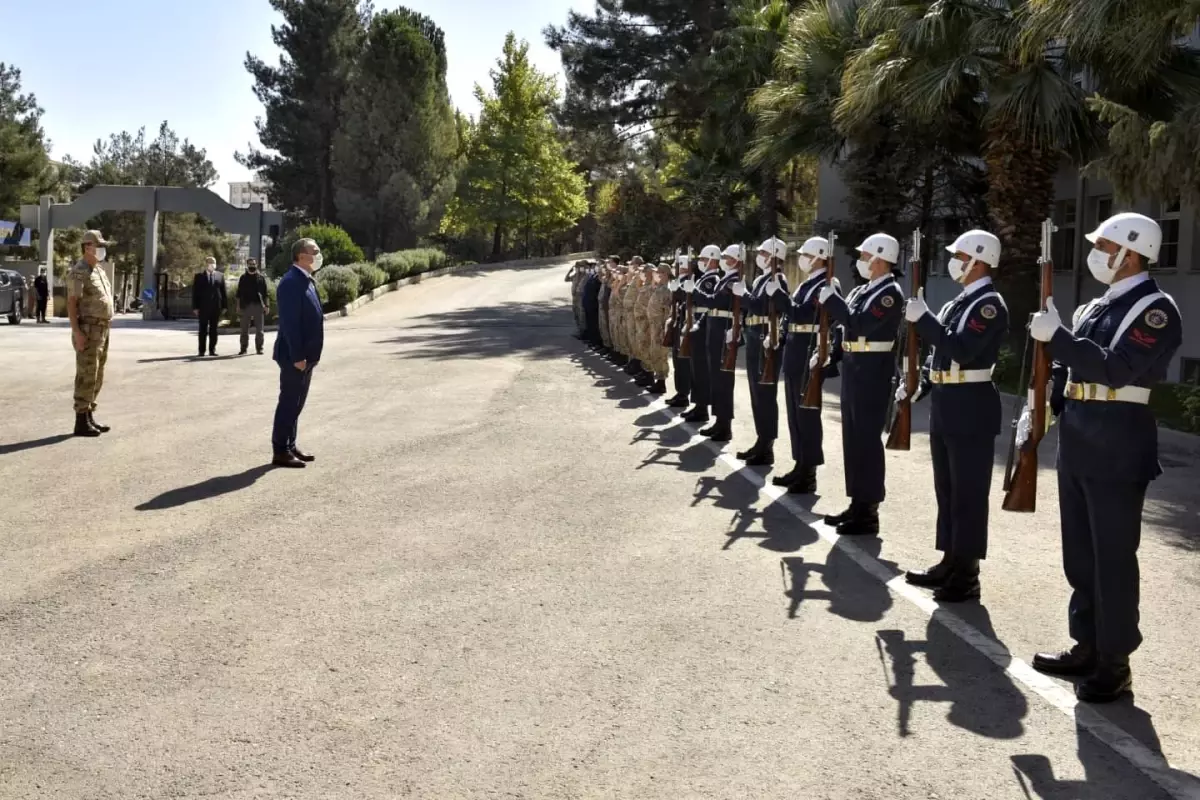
pixel 764 398
pixel 702 293
pixel 1108 451
pixel 591 308
pixel 870 318
pixel 719 322
pixel 682 367
pixel 803 318
pixel 301 337
pixel 966 414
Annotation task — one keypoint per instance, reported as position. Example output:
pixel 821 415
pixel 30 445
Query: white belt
pixel 861 345
pixel 757 320
pixel 1097 391
pixel 716 312
pixel 794 328
pixel 958 375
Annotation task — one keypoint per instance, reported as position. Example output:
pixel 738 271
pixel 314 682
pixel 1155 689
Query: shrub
pixel 341 287
pixel 1177 405
pixel 336 246
pixel 370 277
pixel 403 263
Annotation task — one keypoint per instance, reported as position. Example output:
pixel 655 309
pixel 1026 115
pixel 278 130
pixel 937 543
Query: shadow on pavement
pixel 850 591
pixel 17 447
pixel 514 328
pixel 206 490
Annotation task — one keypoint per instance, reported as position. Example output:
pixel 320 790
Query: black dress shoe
pixel 805 482
pixel 645 380
pixel 844 516
pixel 658 387
pixel 697 414
pixel 786 478
pixel 678 401
pixel 1109 682
pixel 765 457
pixel 97 425
pixel 1079 660
pixel 934 576
pixel 961 585
pixel 287 460
pixel 83 427
pixel 719 431
pixel 864 521
pixel 303 456
pixel 743 455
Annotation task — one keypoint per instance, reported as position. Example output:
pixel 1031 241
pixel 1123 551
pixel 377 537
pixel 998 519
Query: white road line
pixel 1176 783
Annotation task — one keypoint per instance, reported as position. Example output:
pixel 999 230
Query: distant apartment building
pixel 242 194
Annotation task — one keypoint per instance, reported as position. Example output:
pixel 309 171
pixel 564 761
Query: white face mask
pixel 763 262
pixel 805 263
pixel 957 268
pixel 318 261
pixel 864 268
pixel 101 253
pixel 1097 262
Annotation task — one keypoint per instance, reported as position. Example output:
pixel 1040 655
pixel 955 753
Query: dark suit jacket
pixel 301 335
pixel 208 292
pixel 42 286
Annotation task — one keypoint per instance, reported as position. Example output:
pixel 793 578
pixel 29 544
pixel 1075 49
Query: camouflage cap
pixel 95 237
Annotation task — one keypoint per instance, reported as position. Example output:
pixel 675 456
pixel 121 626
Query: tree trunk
pixel 497 241
pixel 1020 196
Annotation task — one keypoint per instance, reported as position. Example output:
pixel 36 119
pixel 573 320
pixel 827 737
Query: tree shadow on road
pixel 539 330
pixel 206 490
pixel 850 591
pixel 47 441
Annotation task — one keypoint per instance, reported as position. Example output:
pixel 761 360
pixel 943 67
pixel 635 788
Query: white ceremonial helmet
pixel 710 251
pixel 734 251
pixel 979 245
pixel 881 245
pixel 815 246
pixel 1131 231
pixel 774 248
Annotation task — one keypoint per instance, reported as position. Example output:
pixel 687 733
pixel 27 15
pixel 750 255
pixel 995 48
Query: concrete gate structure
pixel 44 218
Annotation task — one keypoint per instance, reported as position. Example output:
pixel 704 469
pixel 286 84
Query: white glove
pixel 673 284
pixel 772 286
pixel 729 336
pixel 812 362
pixel 689 285
pixel 826 293
pixel 1024 427
pixel 738 288
pixel 1045 323
pixel 916 308
pixel 901 392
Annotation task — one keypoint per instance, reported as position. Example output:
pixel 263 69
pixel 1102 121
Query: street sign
pixel 148 296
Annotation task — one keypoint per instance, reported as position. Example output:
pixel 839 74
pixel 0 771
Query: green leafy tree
pixel 396 153
pixel 24 166
pixel 337 248
pixel 320 42
pixel 517 179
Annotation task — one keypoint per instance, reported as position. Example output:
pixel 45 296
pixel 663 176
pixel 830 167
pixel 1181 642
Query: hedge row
pixel 341 285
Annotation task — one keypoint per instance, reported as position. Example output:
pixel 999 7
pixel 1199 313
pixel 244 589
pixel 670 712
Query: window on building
pixel 1104 208
pixel 1189 371
pixel 1062 246
pixel 1168 220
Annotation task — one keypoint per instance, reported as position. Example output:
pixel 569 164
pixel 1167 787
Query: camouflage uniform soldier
pixel 606 278
pixel 90 308
pixel 615 308
pixel 628 331
pixel 659 309
pixel 642 324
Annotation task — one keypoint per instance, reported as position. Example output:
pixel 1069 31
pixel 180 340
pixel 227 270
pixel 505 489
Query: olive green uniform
pixel 95 312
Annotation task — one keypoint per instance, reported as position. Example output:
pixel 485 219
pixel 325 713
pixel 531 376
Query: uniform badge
pixel 1156 318
pixel 888 301
pixel 988 311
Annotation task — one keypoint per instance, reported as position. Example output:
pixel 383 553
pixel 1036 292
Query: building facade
pixel 243 193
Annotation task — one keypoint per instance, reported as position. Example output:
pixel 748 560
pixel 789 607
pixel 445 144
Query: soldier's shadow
pixel 778 529
pixel 980 696
pixel 671 437
pixel 696 458
pixel 850 592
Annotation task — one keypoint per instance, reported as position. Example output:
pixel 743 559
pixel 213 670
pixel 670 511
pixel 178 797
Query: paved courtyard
pixel 511 574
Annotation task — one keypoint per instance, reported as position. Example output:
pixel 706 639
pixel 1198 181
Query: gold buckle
pixel 1091 391
pixel 1112 394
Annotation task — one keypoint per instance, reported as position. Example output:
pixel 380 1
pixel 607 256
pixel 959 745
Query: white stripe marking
pixel 1176 783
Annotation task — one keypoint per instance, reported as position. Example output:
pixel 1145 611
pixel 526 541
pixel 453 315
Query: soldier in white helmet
pixel 757 303
pixel 870 319
pixel 719 333
pixel 804 424
pixel 1120 346
pixel 964 420
pixel 702 290
pixel 680 367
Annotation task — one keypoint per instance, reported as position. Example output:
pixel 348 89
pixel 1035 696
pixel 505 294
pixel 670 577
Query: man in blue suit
pixel 297 348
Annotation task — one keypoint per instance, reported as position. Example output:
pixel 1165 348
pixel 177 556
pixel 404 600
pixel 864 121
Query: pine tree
pixel 303 96
pixel 24 166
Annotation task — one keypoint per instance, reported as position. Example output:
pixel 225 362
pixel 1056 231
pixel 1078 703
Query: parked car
pixel 12 295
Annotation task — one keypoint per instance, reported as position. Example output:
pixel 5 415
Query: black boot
pixel 698 414
pixel 845 516
pixel 97 425
pixel 658 387
pixel 962 584
pixel 1079 660
pixel 643 379
pixel 83 427
pixel 934 576
pixel 865 521
pixel 1109 682
pixel 786 478
pixel 805 483
pixel 765 456
pixel 753 451
pixel 719 431
pixel 678 401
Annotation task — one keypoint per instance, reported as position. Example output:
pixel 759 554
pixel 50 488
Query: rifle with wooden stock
pixel 816 375
pixel 685 336
pixel 900 433
pixel 729 361
pixel 1029 428
pixel 668 335
pixel 771 345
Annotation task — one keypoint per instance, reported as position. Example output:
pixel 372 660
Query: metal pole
pixel 1078 261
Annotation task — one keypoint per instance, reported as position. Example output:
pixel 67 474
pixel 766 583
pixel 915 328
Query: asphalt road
pixel 510 574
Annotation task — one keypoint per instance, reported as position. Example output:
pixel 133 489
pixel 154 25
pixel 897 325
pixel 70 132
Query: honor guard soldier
pixel 680 366
pixel 759 304
pixel 644 377
pixel 964 420
pixel 591 307
pixel 659 307
pixel 701 290
pixel 719 333
pixel 1103 371
pixel 90 309
pixel 870 319
pixel 804 424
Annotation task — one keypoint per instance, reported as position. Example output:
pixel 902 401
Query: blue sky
pixel 104 66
